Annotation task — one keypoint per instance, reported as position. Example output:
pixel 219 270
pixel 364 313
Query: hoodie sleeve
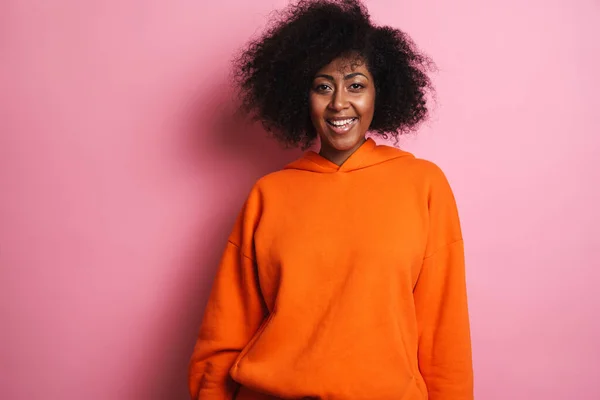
pixel 441 302
pixel 234 312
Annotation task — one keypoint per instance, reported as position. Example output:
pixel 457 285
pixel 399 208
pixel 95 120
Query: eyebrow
pixel 349 76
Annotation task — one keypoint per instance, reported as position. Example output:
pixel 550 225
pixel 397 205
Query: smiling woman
pixel 343 277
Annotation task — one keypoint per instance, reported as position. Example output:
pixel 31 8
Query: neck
pixel 338 157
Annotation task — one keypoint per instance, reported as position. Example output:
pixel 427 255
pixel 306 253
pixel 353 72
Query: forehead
pixel 344 65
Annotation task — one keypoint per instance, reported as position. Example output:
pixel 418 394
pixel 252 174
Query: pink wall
pixel 119 185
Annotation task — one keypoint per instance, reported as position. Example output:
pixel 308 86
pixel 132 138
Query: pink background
pixel 119 184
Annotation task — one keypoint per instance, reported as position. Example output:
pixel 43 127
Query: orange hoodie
pixel 340 283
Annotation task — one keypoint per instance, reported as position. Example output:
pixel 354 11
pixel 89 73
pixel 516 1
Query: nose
pixel 338 101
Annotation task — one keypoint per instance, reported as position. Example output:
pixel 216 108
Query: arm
pixel 234 312
pixel 441 302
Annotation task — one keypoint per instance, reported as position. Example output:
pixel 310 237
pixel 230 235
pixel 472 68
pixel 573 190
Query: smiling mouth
pixel 341 126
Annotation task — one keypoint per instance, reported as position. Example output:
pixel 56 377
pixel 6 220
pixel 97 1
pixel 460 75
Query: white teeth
pixel 342 122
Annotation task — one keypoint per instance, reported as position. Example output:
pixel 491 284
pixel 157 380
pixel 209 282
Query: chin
pixel 345 143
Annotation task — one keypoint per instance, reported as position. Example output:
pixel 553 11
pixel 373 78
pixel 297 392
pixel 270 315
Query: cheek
pixel 366 105
pixel 316 107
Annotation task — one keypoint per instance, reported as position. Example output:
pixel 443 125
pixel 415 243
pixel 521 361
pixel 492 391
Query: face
pixel 342 103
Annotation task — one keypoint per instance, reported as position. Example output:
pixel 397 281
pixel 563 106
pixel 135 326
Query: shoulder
pixel 268 189
pixel 434 179
pixel 420 170
pixel 429 171
pixel 279 180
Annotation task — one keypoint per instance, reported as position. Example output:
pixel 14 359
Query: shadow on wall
pixel 229 155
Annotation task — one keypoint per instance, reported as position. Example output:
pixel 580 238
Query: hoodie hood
pixel 367 155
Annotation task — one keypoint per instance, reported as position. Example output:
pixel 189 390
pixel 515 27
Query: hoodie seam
pixel 442 248
pixel 240 250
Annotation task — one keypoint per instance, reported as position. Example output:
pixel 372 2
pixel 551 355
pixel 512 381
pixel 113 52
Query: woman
pixel 344 275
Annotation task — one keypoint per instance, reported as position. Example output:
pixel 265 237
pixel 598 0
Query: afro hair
pixel 273 73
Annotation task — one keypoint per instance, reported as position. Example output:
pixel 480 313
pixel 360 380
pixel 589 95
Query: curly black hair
pixel 274 72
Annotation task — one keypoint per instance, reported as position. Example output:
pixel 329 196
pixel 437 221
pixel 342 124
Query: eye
pixel 322 87
pixel 356 86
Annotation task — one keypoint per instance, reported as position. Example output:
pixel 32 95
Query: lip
pixel 341 118
pixel 340 130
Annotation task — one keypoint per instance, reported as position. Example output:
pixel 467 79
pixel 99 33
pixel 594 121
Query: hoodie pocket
pixel 413 392
pixel 245 350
